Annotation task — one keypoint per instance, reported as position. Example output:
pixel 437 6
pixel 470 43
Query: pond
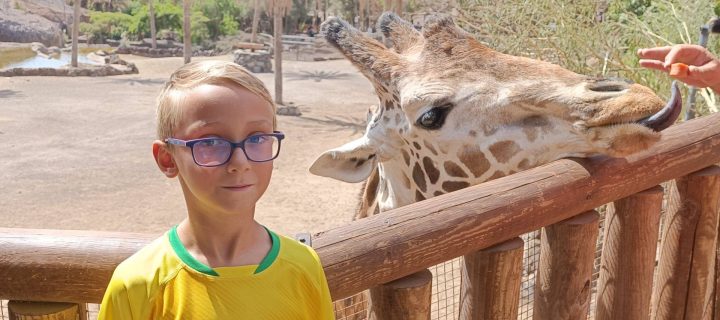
pixel 26 58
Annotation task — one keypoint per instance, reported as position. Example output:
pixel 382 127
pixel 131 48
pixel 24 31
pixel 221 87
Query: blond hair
pixel 191 75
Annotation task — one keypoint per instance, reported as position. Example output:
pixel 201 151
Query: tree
pixel 279 9
pixel 187 38
pixel 75 33
pixel 153 32
pixel 256 20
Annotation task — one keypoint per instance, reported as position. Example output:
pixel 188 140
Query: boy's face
pixel 233 113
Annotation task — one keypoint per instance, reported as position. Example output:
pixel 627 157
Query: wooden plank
pixel 564 276
pixel 379 249
pixel 248 45
pixel 62 265
pixel 628 258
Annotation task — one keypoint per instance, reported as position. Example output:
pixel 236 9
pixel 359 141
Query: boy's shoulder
pixel 147 269
pixel 298 254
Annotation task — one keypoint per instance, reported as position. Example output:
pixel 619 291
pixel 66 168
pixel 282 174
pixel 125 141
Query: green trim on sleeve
pixel 186 257
pixel 272 254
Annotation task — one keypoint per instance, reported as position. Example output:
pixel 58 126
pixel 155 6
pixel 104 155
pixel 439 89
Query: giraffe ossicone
pixel 455 113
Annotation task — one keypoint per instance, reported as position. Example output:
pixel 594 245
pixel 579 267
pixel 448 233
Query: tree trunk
pixel 277 33
pixel 153 32
pixel 75 33
pixel 362 4
pixel 316 17
pixel 187 41
pixel 256 20
pixel 399 7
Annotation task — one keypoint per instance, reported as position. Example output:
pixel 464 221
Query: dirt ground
pixel 77 151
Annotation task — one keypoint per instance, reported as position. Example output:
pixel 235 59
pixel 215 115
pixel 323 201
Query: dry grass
pixel 568 33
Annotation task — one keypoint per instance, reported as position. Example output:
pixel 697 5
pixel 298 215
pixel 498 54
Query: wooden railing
pixel 482 220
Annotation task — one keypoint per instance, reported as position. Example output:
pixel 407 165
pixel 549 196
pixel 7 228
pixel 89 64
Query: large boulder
pixel 17 26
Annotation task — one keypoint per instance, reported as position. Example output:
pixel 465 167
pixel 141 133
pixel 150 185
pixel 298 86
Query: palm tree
pixel 153 35
pixel 187 44
pixel 256 20
pixel 279 9
pixel 75 33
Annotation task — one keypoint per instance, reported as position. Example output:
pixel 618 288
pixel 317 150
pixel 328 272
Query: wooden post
pixel 686 271
pixel 490 287
pixel 27 310
pixel 278 48
pixel 563 283
pixel 405 298
pixel 628 259
pixel 82 311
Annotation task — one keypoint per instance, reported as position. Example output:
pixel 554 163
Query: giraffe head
pixel 454 113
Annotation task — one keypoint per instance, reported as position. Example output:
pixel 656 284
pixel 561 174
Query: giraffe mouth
pixel 667 116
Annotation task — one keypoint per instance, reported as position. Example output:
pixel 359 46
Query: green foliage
pixel 210 19
pixel 567 33
pixel 106 25
pixel 220 16
pixel 168 16
pixel 634 7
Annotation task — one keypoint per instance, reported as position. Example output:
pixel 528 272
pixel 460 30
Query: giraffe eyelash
pixel 434 118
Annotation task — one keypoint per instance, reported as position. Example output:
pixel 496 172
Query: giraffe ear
pixel 352 162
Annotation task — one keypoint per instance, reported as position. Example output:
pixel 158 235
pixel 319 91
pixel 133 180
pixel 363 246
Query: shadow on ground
pixel 315 75
pixel 134 81
pixel 337 123
pixel 10 93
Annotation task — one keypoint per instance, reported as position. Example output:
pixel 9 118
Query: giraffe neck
pixel 369 205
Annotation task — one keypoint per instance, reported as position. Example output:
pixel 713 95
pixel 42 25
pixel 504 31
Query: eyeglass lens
pixel 215 152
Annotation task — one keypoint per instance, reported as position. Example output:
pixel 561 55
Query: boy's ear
pixel 164 159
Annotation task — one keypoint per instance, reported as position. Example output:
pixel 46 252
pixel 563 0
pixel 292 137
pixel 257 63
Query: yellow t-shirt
pixel 163 281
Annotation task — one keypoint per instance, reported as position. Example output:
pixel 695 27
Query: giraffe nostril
pixel 608 85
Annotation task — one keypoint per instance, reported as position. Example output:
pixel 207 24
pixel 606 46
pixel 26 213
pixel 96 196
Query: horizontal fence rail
pixel 75 266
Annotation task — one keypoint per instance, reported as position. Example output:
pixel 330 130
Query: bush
pixel 106 25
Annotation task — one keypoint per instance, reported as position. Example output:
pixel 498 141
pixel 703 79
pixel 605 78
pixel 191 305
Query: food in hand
pixel 679 70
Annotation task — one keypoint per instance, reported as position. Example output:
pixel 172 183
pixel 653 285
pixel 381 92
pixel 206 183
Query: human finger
pixel 687 54
pixel 657 53
pixel 652 64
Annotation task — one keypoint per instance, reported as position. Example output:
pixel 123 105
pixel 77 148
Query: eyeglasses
pixel 213 152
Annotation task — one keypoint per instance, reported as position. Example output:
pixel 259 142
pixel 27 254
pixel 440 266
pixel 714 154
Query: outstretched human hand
pixel 703 68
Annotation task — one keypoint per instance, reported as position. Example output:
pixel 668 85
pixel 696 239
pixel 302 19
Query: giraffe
pixel 454 113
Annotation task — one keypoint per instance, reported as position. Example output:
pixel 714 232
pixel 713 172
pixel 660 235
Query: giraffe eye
pixel 433 118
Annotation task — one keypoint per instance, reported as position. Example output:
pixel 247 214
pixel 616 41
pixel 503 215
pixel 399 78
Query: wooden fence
pixel 482 222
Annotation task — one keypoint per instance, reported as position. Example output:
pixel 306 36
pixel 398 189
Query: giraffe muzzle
pixel 667 116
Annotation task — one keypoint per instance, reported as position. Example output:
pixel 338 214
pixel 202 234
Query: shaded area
pixel 133 81
pixel 357 125
pixel 10 93
pixel 315 75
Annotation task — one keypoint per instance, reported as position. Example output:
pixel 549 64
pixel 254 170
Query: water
pixel 26 58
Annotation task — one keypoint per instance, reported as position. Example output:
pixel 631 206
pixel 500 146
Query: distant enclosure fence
pixel 645 272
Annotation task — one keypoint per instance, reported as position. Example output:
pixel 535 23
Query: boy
pixel 216 130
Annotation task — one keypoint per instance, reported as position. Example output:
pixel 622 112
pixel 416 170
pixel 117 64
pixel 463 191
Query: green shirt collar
pixel 189 260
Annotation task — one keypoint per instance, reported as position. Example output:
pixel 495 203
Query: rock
pixel 288 111
pixel 17 26
pixel 258 62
